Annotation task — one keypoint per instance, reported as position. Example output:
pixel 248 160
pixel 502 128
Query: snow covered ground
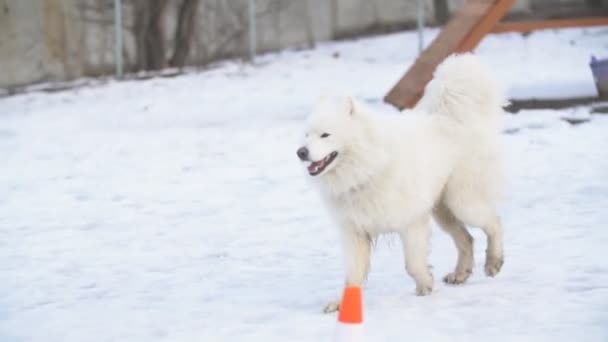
pixel 175 209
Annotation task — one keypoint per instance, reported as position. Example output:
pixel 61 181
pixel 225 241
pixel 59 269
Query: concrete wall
pixel 42 41
pixel 32 41
pixel 58 40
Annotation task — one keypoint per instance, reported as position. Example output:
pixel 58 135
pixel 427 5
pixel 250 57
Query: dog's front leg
pixel 356 247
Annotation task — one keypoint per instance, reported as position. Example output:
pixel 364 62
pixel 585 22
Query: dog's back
pixel 464 90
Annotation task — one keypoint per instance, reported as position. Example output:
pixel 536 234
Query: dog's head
pixel 328 131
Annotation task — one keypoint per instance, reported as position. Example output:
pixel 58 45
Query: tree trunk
pixel 310 34
pixel 142 20
pixel 334 19
pixel 149 34
pixel 183 34
pixel 594 3
pixel 155 42
pixel 442 12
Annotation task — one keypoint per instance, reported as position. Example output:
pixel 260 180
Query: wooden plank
pixel 557 12
pixel 485 25
pixel 408 90
pixel 515 105
pixel 527 26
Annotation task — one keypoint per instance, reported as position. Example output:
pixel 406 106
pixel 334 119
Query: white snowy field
pixel 176 209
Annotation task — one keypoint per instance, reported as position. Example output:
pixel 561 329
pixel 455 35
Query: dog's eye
pixel 325 135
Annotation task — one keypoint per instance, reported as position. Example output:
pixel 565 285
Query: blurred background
pixel 150 189
pixel 60 40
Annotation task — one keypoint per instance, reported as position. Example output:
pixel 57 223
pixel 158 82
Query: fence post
pixel 252 30
pixel 118 38
pixel 420 8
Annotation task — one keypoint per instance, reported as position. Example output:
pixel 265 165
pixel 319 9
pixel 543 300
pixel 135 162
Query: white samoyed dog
pixel 393 173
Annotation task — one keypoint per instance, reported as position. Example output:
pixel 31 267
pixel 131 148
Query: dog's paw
pixel 493 265
pixel 332 307
pixel 456 278
pixel 424 290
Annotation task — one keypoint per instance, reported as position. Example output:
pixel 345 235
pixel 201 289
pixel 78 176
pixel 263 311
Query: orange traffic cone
pixel 350 317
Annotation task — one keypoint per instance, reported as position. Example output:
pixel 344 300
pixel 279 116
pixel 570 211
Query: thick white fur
pixel 394 173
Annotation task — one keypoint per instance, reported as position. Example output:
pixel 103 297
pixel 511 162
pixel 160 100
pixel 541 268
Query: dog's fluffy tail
pixel 463 88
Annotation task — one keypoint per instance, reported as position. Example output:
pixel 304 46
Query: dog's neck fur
pixel 365 159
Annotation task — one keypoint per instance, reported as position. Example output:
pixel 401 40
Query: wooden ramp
pixel 462 33
pixel 527 26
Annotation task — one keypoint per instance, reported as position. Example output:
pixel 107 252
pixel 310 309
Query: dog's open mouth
pixel 317 167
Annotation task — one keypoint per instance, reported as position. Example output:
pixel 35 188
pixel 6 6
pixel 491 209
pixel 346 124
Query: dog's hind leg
pixel 463 241
pixel 480 214
pixel 416 242
pixel 494 251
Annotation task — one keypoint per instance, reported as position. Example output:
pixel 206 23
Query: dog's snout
pixel 303 153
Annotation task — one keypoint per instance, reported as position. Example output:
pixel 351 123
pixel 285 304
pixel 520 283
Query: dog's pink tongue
pixel 314 167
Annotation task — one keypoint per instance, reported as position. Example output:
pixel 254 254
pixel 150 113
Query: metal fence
pixel 50 41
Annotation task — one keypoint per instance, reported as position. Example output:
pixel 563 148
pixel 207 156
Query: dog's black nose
pixel 303 153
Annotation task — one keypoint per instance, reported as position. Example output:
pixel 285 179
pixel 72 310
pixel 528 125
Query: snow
pixel 175 209
pixel 547 64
